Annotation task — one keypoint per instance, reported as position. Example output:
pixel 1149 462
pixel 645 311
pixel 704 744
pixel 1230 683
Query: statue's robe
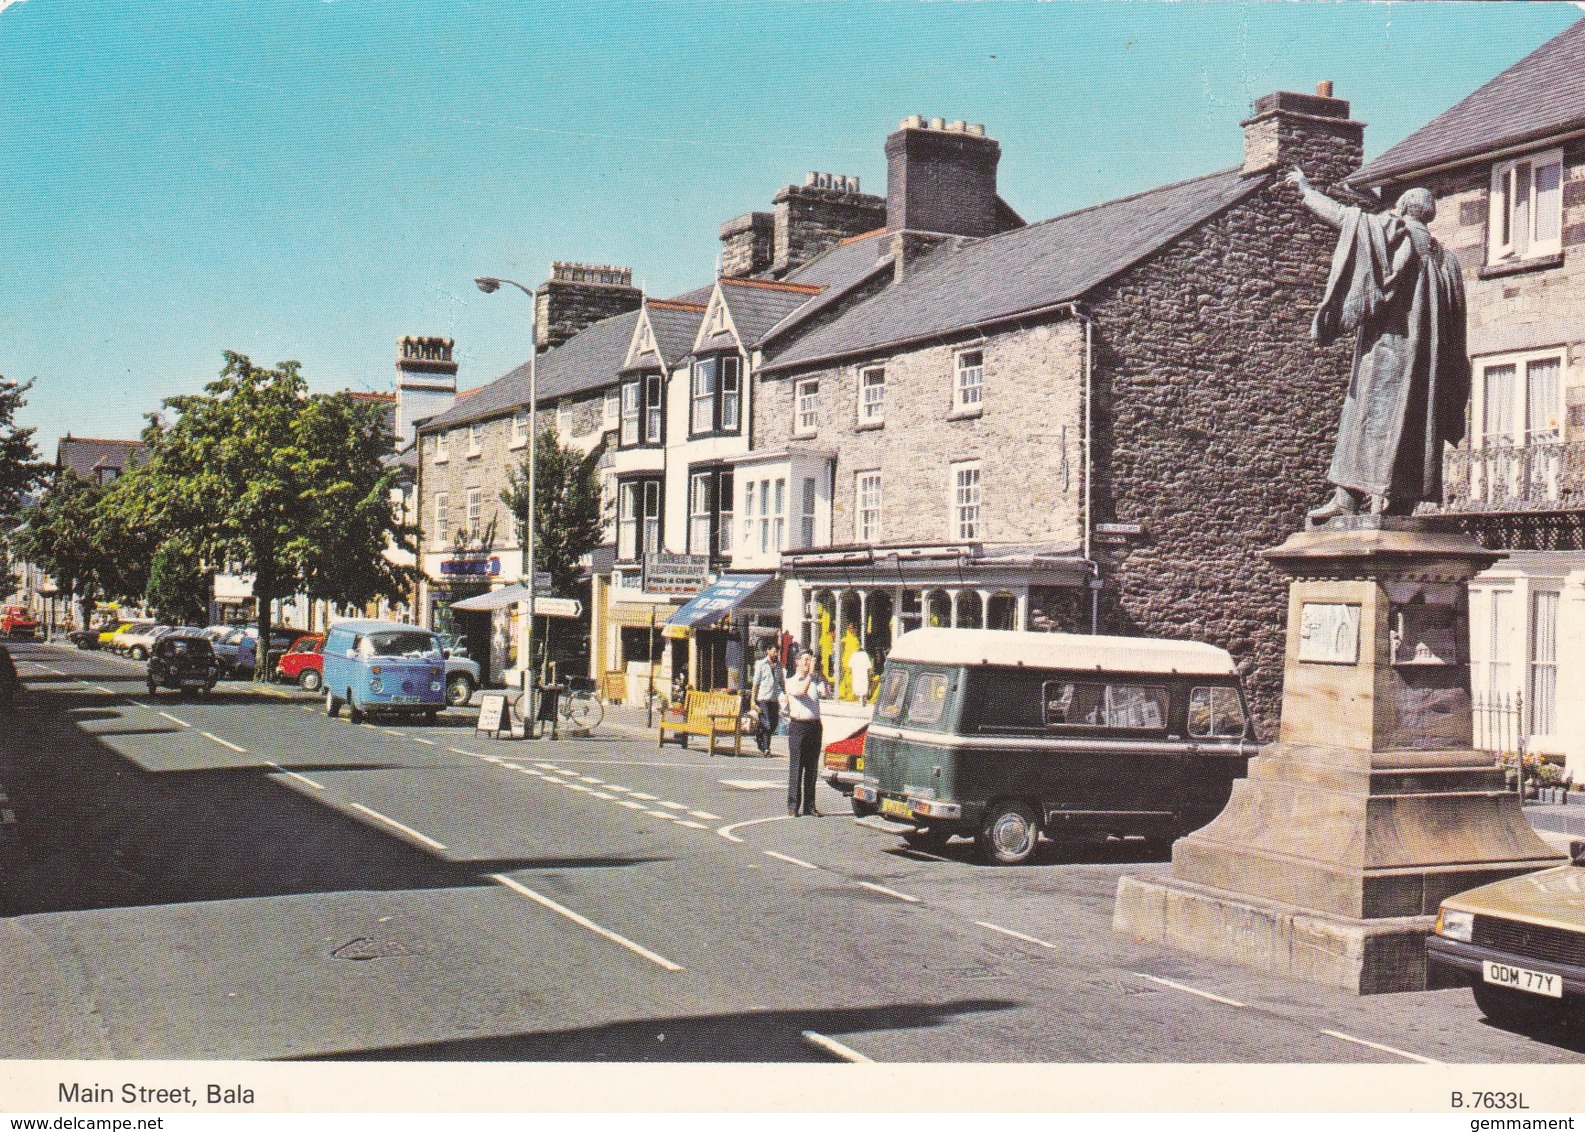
pixel 1401 292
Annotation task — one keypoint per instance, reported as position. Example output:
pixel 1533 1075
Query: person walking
pixel 804 688
pixel 767 687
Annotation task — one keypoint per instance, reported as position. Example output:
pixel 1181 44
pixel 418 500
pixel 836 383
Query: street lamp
pixel 489 285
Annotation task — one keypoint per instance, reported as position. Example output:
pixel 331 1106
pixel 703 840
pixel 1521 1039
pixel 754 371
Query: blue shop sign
pixel 484 566
pixel 718 599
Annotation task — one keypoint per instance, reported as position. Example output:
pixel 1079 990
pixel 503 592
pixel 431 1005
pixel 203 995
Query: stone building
pixel 1507 167
pixel 1093 422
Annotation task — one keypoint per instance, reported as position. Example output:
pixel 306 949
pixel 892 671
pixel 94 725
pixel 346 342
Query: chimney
pixel 748 244
pixel 823 211
pixel 941 177
pixel 426 382
pixel 1312 131
pixel 578 295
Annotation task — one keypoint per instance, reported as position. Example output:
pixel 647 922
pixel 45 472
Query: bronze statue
pixel 1402 292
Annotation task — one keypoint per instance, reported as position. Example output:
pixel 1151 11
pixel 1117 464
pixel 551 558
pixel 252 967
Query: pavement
pixel 239 876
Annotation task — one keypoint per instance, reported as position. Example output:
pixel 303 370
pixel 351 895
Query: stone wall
pixel 460 472
pixel 809 219
pixel 748 244
pixel 578 295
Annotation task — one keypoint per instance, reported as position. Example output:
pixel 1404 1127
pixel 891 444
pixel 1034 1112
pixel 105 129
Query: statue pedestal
pixel 1331 857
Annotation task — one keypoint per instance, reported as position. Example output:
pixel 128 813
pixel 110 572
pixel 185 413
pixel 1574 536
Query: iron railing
pixel 1547 476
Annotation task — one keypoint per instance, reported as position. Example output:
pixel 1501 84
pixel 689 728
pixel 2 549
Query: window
pixel 779 516
pixel 1518 424
pixel 519 428
pixel 654 408
pixel 1527 207
pixel 969 388
pixel 475 439
pixel 612 411
pixel 889 705
pixel 105 474
pixel 806 407
pixel 717 395
pixel 564 418
pixel 1543 663
pixel 632 392
pixel 1134 706
pixel 643 410
pixel 806 529
pixel 772 515
pixel 966 501
pixel 638 519
pixel 929 698
pixel 441 518
pixel 475 512
pixel 710 513
pixel 442 447
pixel 867 510
pixel 1215 713
pixel 872 396
pixel 748 514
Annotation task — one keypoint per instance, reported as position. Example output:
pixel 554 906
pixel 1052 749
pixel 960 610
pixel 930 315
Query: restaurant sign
pixel 666 573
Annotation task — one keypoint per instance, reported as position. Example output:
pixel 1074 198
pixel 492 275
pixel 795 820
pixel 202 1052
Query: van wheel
pixel 1009 834
pixel 863 809
pixel 1516 1010
pixel 332 705
pixel 459 689
pixel 310 680
pixel 353 714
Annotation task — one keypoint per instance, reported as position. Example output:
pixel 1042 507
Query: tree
pixel 179 584
pixel 568 514
pixel 20 470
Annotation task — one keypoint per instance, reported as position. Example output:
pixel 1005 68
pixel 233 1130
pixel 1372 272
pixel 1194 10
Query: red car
pixel 844 766
pixel 303 664
pixel 16 621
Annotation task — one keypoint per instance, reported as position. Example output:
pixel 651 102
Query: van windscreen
pixel 400 644
pixel 893 690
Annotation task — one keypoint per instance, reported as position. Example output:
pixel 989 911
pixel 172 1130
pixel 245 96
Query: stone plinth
pixel 1331 857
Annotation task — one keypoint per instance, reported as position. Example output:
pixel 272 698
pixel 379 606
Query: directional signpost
pixel 557 606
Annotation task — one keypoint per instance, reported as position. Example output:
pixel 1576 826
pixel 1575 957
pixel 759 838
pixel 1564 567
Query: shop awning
pixel 716 600
pixel 495 599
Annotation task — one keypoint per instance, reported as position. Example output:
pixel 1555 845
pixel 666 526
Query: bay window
pixel 710 512
pixel 716 401
pixel 638 519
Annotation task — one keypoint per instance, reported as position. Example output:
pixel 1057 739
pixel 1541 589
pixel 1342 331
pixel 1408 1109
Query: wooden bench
pixel 710 714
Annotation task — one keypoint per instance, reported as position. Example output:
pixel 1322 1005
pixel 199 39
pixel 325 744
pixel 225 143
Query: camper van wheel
pixel 332 704
pixel 927 838
pixel 1010 833
pixel 354 714
pixel 863 809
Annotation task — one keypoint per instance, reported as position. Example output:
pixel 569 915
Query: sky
pixel 313 179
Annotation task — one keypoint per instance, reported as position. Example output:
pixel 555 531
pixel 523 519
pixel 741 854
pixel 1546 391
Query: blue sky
pixel 312 179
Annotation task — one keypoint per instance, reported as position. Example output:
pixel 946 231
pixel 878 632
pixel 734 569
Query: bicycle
pixel 577 704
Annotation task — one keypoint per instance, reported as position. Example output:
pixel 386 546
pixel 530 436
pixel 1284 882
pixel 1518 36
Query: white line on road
pixel 692 824
pixel 603 795
pixel 660 814
pixel 394 824
pixel 1190 990
pixel 1015 935
pixel 643 797
pixel 726 830
pixel 303 778
pixel 836 1048
pixel 581 921
pixel 892 892
pixel 752 783
pixel 545 766
pixel 618 789
pixel 630 805
pixel 307 707
pixel 470 754
pixel 398 734
pixel 590 781
pixel 789 860
pixel 102 688
pixel 578 787
pixel 426 742
pixel 674 805
pixel 700 814
pixel 1379 1046
pixel 549 778
pixel 223 743
pixel 370 726
pixel 173 719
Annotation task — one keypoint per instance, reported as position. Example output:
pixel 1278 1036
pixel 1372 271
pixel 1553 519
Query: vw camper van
pixel 383 666
pixel 1005 736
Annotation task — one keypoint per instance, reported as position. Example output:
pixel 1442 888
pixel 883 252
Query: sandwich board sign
pixel 492 714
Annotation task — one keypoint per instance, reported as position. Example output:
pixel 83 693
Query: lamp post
pixel 489 285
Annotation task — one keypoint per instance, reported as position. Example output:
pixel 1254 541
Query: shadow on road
pixel 760 1035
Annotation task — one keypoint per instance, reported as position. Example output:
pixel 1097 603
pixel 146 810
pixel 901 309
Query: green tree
pixel 179 584
pixel 568 515
pixel 60 538
pixel 20 469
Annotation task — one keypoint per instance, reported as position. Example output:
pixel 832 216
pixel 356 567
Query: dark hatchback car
pixel 183 662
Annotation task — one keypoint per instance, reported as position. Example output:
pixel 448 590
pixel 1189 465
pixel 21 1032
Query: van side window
pixel 1216 713
pixel 929 698
pixel 890 705
pixel 1133 706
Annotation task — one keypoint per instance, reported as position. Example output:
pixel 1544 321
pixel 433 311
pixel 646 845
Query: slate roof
pixel 587 360
pixel 675 328
pixel 84 455
pixel 1541 95
pixel 839 269
pixel 756 305
pixel 1001 276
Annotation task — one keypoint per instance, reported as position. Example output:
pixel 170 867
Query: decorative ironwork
pixel 1510 478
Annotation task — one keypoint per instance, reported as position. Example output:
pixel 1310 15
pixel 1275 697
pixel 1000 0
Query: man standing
pixel 768 685
pixel 1402 294
pixel 804 687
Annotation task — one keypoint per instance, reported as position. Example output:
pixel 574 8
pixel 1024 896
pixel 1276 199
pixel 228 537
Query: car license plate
pixel 858 763
pixel 895 808
pixel 404 699
pixel 1522 978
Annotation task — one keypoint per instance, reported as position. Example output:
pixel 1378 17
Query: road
pixel 239 876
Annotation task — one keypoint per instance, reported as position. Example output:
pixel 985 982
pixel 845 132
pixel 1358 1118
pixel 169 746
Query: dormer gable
pixel 740 310
pixel 643 351
pixel 718 331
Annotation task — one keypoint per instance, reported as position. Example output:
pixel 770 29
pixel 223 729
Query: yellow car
pixel 1519 944
pixel 110 632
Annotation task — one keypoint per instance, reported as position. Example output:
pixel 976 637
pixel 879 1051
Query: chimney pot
pixel 978 129
pixel 912 122
pixel 938 123
pixel 1324 88
pixel 959 127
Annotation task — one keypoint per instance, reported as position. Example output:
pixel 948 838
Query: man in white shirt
pixel 804 733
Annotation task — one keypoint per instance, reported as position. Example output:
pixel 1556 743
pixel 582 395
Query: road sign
pixel 541 580
pixel 558 606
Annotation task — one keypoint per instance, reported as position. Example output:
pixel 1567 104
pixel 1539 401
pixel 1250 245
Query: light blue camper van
pixel 383 666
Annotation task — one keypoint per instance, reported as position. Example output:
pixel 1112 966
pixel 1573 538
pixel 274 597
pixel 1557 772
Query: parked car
pixel 183 661
pixel 1519 944
pixel 86 638
pixel 1005 736
pixel 16 621
pixel 383 666
pixel 462 671
pixel 303 663
pixel 844 767
pixel 107 632
pixel 136 641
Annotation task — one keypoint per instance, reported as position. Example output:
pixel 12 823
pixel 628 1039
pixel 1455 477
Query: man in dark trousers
pixel 768 684
pixel 804 688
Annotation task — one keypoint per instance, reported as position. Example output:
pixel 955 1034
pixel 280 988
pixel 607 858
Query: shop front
pixel 721 625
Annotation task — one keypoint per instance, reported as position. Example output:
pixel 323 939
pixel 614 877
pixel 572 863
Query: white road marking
pixel 642 797
pixel 394 824
pixel 892 892
pixel 545 766
pixel 581 921
pixel 579 788
pixel 419 739
pixel 398 734
pixel 223 743
pixel 1190 990
pixel 1016 935
pixel 1379 1046
pixel 303 778
pixel 603 795
pixel 752 783
pixel 836 1048
pixel 551 778
pixel 789 860
pixel 660 814
pixel 470 754
pixel 630 805
pixel 701 814
pixel 173 719
pixel 370 726
pixel 102 688
pixel 726 830
pixel 307 707
pixel 674 805
pixel 692 824
pixel 590 781
pixel 618 789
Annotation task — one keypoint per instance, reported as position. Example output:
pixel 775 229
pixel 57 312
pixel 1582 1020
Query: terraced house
pixel 1507 167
